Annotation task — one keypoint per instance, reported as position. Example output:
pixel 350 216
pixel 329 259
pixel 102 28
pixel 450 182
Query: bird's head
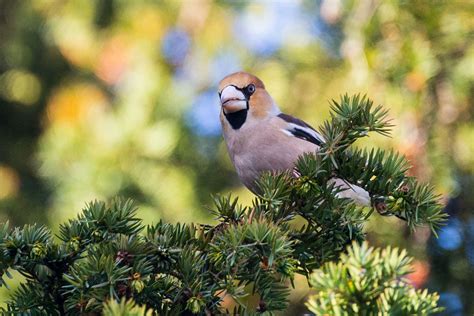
pixel 243 97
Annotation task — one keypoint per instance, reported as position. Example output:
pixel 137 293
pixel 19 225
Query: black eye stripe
pixel 246 90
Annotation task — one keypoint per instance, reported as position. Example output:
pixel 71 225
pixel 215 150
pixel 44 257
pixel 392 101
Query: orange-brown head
pixel 243 97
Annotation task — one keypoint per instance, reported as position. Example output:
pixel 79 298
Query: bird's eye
pixel 251 89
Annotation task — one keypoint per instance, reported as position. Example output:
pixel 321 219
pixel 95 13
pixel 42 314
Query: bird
pixel 260 138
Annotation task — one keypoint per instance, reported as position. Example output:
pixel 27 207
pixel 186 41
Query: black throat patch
pixel 237 119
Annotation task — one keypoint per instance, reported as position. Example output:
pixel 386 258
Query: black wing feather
pixel 294 120
pixel 300 132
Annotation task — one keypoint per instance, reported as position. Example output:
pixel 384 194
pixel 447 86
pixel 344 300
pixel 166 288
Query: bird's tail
pixel 357 194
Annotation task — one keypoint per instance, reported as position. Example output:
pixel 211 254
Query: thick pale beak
pixel 233 100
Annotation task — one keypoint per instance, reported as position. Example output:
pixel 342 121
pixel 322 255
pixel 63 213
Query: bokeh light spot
pixel 73 103
pixel 113 60
pixel 450 236
pixel 9 182
pixel 176 44
pixel 203 116
pixel 452 303
pixel 158 140
pixel 421 272
pixel 20 86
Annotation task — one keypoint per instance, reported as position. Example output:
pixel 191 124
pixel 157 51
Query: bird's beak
pixel 232 100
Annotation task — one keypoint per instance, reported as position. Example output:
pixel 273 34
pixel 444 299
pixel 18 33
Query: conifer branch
pixel 295 225
pixel 383 175
pixel 368 281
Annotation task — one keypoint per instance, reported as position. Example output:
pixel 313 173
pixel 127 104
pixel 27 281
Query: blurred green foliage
pixel 100 98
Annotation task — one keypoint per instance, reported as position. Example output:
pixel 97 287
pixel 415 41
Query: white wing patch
pixel 299 129
pixel 287 132
pixel 306 130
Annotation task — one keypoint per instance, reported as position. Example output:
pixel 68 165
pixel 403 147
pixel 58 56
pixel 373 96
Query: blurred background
pixel 114 97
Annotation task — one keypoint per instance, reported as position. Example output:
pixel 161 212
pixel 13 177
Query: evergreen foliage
pixel 295 225
pixel 368 281
pixel 125 308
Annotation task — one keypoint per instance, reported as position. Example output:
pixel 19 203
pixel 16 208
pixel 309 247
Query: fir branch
pixel 368 281
pixel 383 175
pixel 295 225
pixel 125 308
pixel 351 119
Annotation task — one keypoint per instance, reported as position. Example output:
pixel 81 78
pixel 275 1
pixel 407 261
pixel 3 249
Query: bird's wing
pixel 298 128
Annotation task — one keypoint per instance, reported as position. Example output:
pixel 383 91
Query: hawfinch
pixel 260 137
